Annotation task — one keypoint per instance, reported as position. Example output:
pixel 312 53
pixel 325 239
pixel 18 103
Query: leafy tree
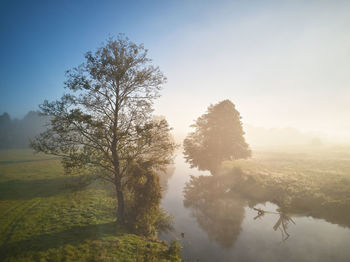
pixel 144 215
pixel 103 126
pixel 218 136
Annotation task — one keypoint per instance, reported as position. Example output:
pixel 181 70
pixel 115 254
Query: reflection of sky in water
pixel 310 239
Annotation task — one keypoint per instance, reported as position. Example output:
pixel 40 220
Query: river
pixel 232 231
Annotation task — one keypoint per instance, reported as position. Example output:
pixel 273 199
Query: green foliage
pixel 164 222
pixel 144 215
pixel 174 250
pixel 104 122
pixel 218 136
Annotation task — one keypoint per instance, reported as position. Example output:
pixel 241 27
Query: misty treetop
pixel 103 126
pixel 218 136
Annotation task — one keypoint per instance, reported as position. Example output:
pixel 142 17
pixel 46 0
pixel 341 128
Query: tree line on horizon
pixel 16 133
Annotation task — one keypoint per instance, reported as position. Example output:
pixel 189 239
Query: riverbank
pixel 312 183
pixel 43 219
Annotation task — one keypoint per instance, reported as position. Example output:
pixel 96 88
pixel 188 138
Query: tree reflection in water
pixel 217 212
pixel 282 223
pixel 165 176
pixel 220 211
pixel 218 204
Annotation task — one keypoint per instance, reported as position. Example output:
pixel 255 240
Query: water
pixel 227 230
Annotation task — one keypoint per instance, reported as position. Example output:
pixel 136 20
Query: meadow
pixel 301 184
pixel 312 181
pixel 44 218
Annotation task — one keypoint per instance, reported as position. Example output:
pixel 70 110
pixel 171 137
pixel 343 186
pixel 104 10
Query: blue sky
pixel 283 63
pixel 41 39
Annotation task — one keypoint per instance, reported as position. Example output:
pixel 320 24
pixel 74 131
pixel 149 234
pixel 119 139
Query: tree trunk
pixel 120 208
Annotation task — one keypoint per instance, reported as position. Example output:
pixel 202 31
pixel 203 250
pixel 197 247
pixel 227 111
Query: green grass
pixel 308 183
pixel 43 219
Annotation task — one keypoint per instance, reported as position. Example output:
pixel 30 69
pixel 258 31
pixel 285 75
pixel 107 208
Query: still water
pixel 229 230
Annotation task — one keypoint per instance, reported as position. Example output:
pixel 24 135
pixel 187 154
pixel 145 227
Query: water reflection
pixel 218 205
pixel 282 223
pixel 164 178
pixel 218 214
pixel 218 221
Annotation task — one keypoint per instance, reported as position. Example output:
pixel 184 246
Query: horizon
pixel 284 65
pixel 257 137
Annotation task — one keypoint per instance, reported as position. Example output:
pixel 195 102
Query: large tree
pixel 103 126
pixel 218 136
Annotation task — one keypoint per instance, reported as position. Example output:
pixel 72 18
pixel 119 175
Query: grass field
pixel 43 219
pixel 314 182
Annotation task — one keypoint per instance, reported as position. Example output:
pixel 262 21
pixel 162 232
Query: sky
pixel 282 63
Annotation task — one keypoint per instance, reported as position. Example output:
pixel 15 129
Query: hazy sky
pixel 283 63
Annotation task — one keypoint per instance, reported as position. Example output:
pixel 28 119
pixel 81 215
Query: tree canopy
pixel 103 126
pixel 218 136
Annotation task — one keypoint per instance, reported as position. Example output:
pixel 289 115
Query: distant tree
pixel 103 127
pixel 16 133
pixel 218 136
pixel 5 130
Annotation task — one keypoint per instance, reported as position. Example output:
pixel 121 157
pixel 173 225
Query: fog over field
pixel 17 133
pixel 283 64
pixel 174 131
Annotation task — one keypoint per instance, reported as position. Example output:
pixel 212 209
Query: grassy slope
pixel 315 183
pixel 42 220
